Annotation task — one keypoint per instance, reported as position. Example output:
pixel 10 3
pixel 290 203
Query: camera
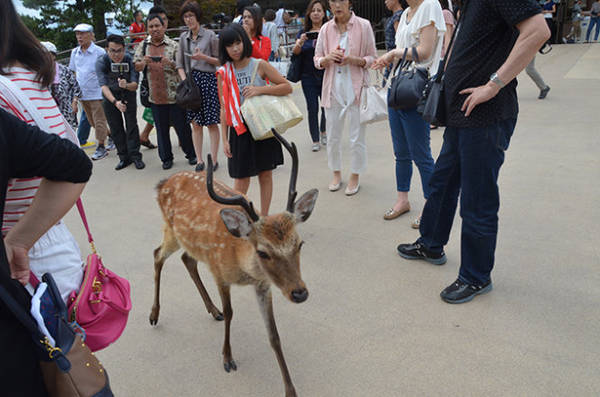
pixel 312 35
pixel 220 20
pixel 120 68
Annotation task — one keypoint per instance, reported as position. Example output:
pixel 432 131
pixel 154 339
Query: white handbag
pixel 263 112
pixel 373 103
pixel 281 66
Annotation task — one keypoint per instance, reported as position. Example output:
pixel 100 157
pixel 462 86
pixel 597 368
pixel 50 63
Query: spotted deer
pixel 205 218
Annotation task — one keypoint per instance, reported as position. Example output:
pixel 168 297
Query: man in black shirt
pixel 118 80
pixel 495 40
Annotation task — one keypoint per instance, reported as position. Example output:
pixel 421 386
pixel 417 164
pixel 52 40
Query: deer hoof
pixel 229 366
pixel 154 316
pixel 218 316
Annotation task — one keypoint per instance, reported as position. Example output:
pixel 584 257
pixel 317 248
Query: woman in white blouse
pixel 421 26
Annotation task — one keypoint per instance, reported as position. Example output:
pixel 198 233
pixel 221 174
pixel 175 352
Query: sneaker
pixel 323 139
pixel 316 147
pixel 461 292
pixel 544 92
pixel 110 144
pixel 100 153
pixel 419 251
pixel 88 145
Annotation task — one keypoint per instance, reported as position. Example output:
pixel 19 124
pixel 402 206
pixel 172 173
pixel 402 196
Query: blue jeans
pixel 469 164
pixel 83 131
pixel 311 87
pixel 164 117
pixel 593 21
pixel 410 137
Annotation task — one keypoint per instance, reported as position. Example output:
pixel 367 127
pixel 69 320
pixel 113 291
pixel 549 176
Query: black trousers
pixel 126 137
pixel 164 117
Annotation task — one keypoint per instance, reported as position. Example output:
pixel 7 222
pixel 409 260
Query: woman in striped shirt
pixel 27 71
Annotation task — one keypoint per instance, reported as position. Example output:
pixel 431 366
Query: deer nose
pixel 299 295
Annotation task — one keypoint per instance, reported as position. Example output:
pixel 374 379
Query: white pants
pixel 335 127
pixel 57 252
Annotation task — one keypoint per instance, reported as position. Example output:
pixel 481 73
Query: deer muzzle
pixel 299 295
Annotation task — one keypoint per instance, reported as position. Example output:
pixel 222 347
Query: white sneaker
pixel 110 144
pixel 316 147
pixel 324 139
pixel 100 153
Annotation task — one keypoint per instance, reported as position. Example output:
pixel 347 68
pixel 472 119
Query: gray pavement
pixel 374 323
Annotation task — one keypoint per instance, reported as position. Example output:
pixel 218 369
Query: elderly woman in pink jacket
pixel 345 49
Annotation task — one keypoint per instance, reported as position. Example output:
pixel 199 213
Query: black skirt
pixel 251 157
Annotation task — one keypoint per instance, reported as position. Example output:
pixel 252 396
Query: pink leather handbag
pixel 103 303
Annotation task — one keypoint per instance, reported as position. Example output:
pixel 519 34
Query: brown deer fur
pixel 237 250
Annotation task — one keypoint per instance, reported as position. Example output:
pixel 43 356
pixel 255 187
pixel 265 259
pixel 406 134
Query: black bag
pixel 144 85
pixel 188 95
pixel 432 105
pixel 294 73
pixel 407 85
pixel 69 368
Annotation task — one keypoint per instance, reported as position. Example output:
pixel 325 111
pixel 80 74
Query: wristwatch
pixel 495 79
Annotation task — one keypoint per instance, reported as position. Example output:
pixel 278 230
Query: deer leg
pixel 265 303
pixel 168 246
pixel 192 268
pixel 228 362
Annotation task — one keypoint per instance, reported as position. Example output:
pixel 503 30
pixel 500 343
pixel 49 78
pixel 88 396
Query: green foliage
pixel 59 17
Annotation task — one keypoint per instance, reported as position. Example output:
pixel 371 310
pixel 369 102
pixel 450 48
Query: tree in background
pixel 59 17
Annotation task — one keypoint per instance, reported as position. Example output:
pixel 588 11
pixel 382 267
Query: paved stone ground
pixel 374 324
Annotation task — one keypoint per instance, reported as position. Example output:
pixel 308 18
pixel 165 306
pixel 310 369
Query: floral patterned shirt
pixel 163 81
pixel 64 92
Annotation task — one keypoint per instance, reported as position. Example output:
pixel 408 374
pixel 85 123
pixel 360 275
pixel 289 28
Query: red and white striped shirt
pixel 21 192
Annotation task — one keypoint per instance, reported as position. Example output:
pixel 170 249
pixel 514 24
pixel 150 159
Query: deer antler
pixel 294 177
pixel 234 200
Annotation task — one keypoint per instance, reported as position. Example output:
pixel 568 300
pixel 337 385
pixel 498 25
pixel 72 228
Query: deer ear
pixel 236 222
pixel 304 205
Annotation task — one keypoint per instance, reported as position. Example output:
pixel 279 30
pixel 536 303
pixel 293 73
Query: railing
pixel 287 39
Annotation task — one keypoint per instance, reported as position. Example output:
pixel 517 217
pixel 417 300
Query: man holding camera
pixel 119 82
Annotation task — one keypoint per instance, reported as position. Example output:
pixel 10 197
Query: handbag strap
pixel 144 46
pixel 444 60
pixel 85 224
pixel 187 62
pixel 254 71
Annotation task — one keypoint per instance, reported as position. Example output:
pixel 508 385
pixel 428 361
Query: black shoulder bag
pixel 432 105
pixel 144 86
pixel 407 85
pixel 188 95
pixel 69 368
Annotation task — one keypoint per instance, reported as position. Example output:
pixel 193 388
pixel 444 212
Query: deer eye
pixel 263 254
pixel 300 245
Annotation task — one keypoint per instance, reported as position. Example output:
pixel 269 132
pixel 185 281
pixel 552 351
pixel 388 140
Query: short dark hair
pixel 193 6
pixel 155 16
pixel 444 4
pixel 136 12
pixel 231 35
pixel 257 17
pixel 17 43
pixel 157 10
pixel 270 15
pixel 115 38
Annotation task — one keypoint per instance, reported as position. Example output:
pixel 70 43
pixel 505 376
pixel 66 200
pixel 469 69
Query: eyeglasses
pixel 113 51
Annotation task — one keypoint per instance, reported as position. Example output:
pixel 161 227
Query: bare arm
pixel 424 49
pixel 533 33
pixel 50 204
